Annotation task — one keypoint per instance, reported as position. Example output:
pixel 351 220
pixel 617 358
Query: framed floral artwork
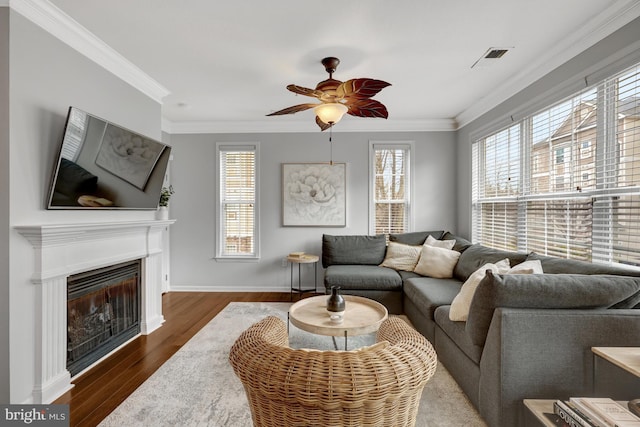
pixel 314 195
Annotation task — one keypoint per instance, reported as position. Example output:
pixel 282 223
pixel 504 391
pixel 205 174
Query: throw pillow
pixel 447 244
pixel 436 262
pixel 527 267
pixel 459 311
pixel 401 257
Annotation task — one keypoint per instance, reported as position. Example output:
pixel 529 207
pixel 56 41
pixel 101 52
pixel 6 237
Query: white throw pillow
pixel 437 262
pixel 432 241
pixel 459 311
pixel 528 267
pixel 401 257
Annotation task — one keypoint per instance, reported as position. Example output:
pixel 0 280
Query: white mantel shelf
pixel 61 250
pixel 41 235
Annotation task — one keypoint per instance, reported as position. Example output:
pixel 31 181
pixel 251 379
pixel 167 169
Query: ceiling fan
pixel 337 98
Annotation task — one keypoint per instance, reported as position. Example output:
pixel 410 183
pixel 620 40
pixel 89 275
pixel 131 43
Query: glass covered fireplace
pixel 103 312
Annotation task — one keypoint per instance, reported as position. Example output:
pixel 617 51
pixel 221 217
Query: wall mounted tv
pixel 104 166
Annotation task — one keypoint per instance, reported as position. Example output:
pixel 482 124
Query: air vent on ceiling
pixel 490 56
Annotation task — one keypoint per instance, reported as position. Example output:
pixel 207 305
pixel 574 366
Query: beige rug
pixel 197 387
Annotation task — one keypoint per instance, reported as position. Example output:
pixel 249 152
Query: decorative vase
pixel 336 305
pixel 162 213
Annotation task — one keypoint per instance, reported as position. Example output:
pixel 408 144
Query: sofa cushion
pixel 545 291
pixel 415 238
pixel 447 244
pixel 353 250
pixel 553 265
pixel 456 331
pixel 428 293
pixel 401 257
pixel 460 306
pixel 437 262
pixel 362 277
pixel 476 256
pixel 461 243
pixel 404 275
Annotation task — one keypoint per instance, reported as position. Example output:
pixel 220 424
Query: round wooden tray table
pixel 361 316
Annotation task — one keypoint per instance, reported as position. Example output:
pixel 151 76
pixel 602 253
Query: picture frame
pixel 314 194
pixel 127 155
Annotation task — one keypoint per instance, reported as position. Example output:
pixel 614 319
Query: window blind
pixel 237 200
pixel 577 191
pixel 496 164
pixel 74 134
pixel 391 188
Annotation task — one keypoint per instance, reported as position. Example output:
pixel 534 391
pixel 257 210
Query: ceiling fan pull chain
pixel 331 144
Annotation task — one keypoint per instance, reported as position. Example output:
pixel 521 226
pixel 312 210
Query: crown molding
pixel 599 27
pixel 60 25
pixel 275 126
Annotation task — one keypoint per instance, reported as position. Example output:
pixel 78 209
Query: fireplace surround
pixel 62 250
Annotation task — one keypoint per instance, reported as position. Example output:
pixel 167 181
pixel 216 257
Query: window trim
pixel 219 244
pixel 410 147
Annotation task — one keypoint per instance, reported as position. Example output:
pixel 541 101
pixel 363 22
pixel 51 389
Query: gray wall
pixel 193 175
pixel 614 53
pixel 47 77
pixel 4 205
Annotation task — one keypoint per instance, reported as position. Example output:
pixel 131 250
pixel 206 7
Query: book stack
pixel 594 412
pixel 296 255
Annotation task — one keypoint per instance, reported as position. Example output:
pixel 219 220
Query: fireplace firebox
pixel 103 312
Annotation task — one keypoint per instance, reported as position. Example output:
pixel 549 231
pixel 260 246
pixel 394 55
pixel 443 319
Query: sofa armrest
pixel 545 353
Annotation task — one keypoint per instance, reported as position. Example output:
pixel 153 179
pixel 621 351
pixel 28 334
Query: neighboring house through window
pixel 237 201
pixel 390 187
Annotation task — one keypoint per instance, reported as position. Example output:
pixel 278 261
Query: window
pixel 585 149
pixel 390 185
pixel 580 173
pixel 237 201
pixel 496 161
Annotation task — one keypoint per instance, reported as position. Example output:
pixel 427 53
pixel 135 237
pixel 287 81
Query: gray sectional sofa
pixel 526 335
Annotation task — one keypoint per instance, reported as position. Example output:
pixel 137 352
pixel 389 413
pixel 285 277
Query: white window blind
pixel 579 171
pixel 496 186
pixel 390 183
pixel 237 201
pixel 617 206
pixel 74 134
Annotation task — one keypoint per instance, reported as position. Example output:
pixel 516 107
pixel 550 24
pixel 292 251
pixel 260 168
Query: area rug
pixel 197 386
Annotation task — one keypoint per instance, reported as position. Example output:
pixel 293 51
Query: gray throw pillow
pixel 353 250
pixel 475 256
pixel 545 291
pixel 415 238
pixel 461 243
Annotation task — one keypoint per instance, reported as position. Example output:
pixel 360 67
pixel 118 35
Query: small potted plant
pixel 165 195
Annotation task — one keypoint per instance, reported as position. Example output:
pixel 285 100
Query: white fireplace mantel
pixel 62 250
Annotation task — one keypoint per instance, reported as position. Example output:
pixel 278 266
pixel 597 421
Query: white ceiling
pixel 226 63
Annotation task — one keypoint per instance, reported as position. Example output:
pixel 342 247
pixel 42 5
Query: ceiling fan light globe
pixel 331 112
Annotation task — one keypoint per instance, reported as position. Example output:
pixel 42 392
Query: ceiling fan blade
pixel 367 108
pixel 323 125
pixel 293 109
pixel 306 91
pixel 360 88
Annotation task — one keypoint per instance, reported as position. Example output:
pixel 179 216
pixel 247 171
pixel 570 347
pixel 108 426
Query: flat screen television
pixel 104 166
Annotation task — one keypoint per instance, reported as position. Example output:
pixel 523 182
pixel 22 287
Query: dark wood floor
pixel 100 390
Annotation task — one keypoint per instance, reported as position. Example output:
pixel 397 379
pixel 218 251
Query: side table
pixel 536 411
pixel 299 260
pixel 616 372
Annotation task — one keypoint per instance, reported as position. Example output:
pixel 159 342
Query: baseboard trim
pixel 227 288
